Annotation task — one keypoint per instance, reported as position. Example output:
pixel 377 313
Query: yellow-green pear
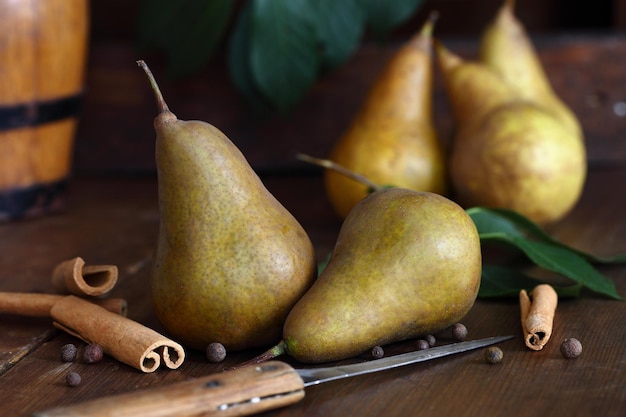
pixel 405 264
pixel 506 47
pixel 508 151
pixel 230 260
pixel 482 89
pixel 392 139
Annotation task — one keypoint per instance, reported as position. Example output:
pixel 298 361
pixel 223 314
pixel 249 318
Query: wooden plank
pixel 95 227
pixel 114 221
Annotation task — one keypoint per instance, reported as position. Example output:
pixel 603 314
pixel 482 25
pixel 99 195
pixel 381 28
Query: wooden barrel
pixel 43 48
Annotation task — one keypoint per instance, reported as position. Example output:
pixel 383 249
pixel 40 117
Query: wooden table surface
pixel 114 221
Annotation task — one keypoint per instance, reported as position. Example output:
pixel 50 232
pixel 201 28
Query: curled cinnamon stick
pixel 74 277
pixel 537 313
pixel 122 338
pixel 39 305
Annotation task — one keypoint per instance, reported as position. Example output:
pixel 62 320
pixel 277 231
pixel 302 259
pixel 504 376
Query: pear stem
pixel 328 164
pixel 161 105
pixel 271 353
pixel 427 28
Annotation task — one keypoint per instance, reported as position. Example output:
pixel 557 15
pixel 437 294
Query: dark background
pixel 115 135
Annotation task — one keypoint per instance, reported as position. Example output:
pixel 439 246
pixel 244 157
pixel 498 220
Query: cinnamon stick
pixel 122 338
pixel 39 305
pixel 74 277
pixel 537 314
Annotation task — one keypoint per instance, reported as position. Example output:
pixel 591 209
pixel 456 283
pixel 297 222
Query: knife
pixel 247 390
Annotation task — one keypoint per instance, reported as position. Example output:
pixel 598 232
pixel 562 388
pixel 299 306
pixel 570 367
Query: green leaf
pixel 501 281
pixel 283 50
pixel 560 260
pixel 322 264
pixel 239 63
pixel 490 220
pixel 567 263
pixel 382 16
pixel 498 281
pixel 339 25
pixel 496 225
pixel 187 31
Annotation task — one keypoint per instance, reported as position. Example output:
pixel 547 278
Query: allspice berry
pixel 571 348
pixel 72 379
pixel 378 352
pixel 493 355
pixel 422 344
pixel 215 352
pixel 68 352
pixel 459 332
pixel 431 340
pixel 92 353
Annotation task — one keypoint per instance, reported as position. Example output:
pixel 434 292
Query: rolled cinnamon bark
pixel 537 314
pixel 74 277
pixel 124 339
pixel 39 305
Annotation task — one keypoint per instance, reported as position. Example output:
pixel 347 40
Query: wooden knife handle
pixel 244 391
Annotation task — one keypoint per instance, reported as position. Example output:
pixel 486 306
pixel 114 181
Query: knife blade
pixel 248 390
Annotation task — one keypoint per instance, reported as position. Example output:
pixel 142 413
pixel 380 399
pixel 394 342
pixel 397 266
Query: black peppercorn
pixel 68 353
pixel 92 353
pixel 72 379
pixel 571 348
pixel 215 352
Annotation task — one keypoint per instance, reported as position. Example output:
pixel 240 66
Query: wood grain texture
pixel 241 392
pixel 114 222
pixel 42 62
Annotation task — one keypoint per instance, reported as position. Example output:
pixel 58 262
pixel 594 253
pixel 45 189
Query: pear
pixel 478 89
pixel 392 139
pixel 406 263
pixel 506 47
pixel 230 260
pixel 509 151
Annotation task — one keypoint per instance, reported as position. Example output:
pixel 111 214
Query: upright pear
pixel 508 150
pixel 392 139
pixel 477 89
pixel 506 47
pixel 230 260
pixel 405 264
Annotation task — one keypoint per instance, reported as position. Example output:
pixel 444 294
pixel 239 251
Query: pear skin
pixel 480 89
pixel 506 47
pixel 520 158
pixel 392 139
pixel 406 263
pixel 230 260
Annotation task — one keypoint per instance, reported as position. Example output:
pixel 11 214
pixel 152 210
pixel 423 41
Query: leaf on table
pixel 547 253
pixel 501 282
pixel 491 220
pixel 567 263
